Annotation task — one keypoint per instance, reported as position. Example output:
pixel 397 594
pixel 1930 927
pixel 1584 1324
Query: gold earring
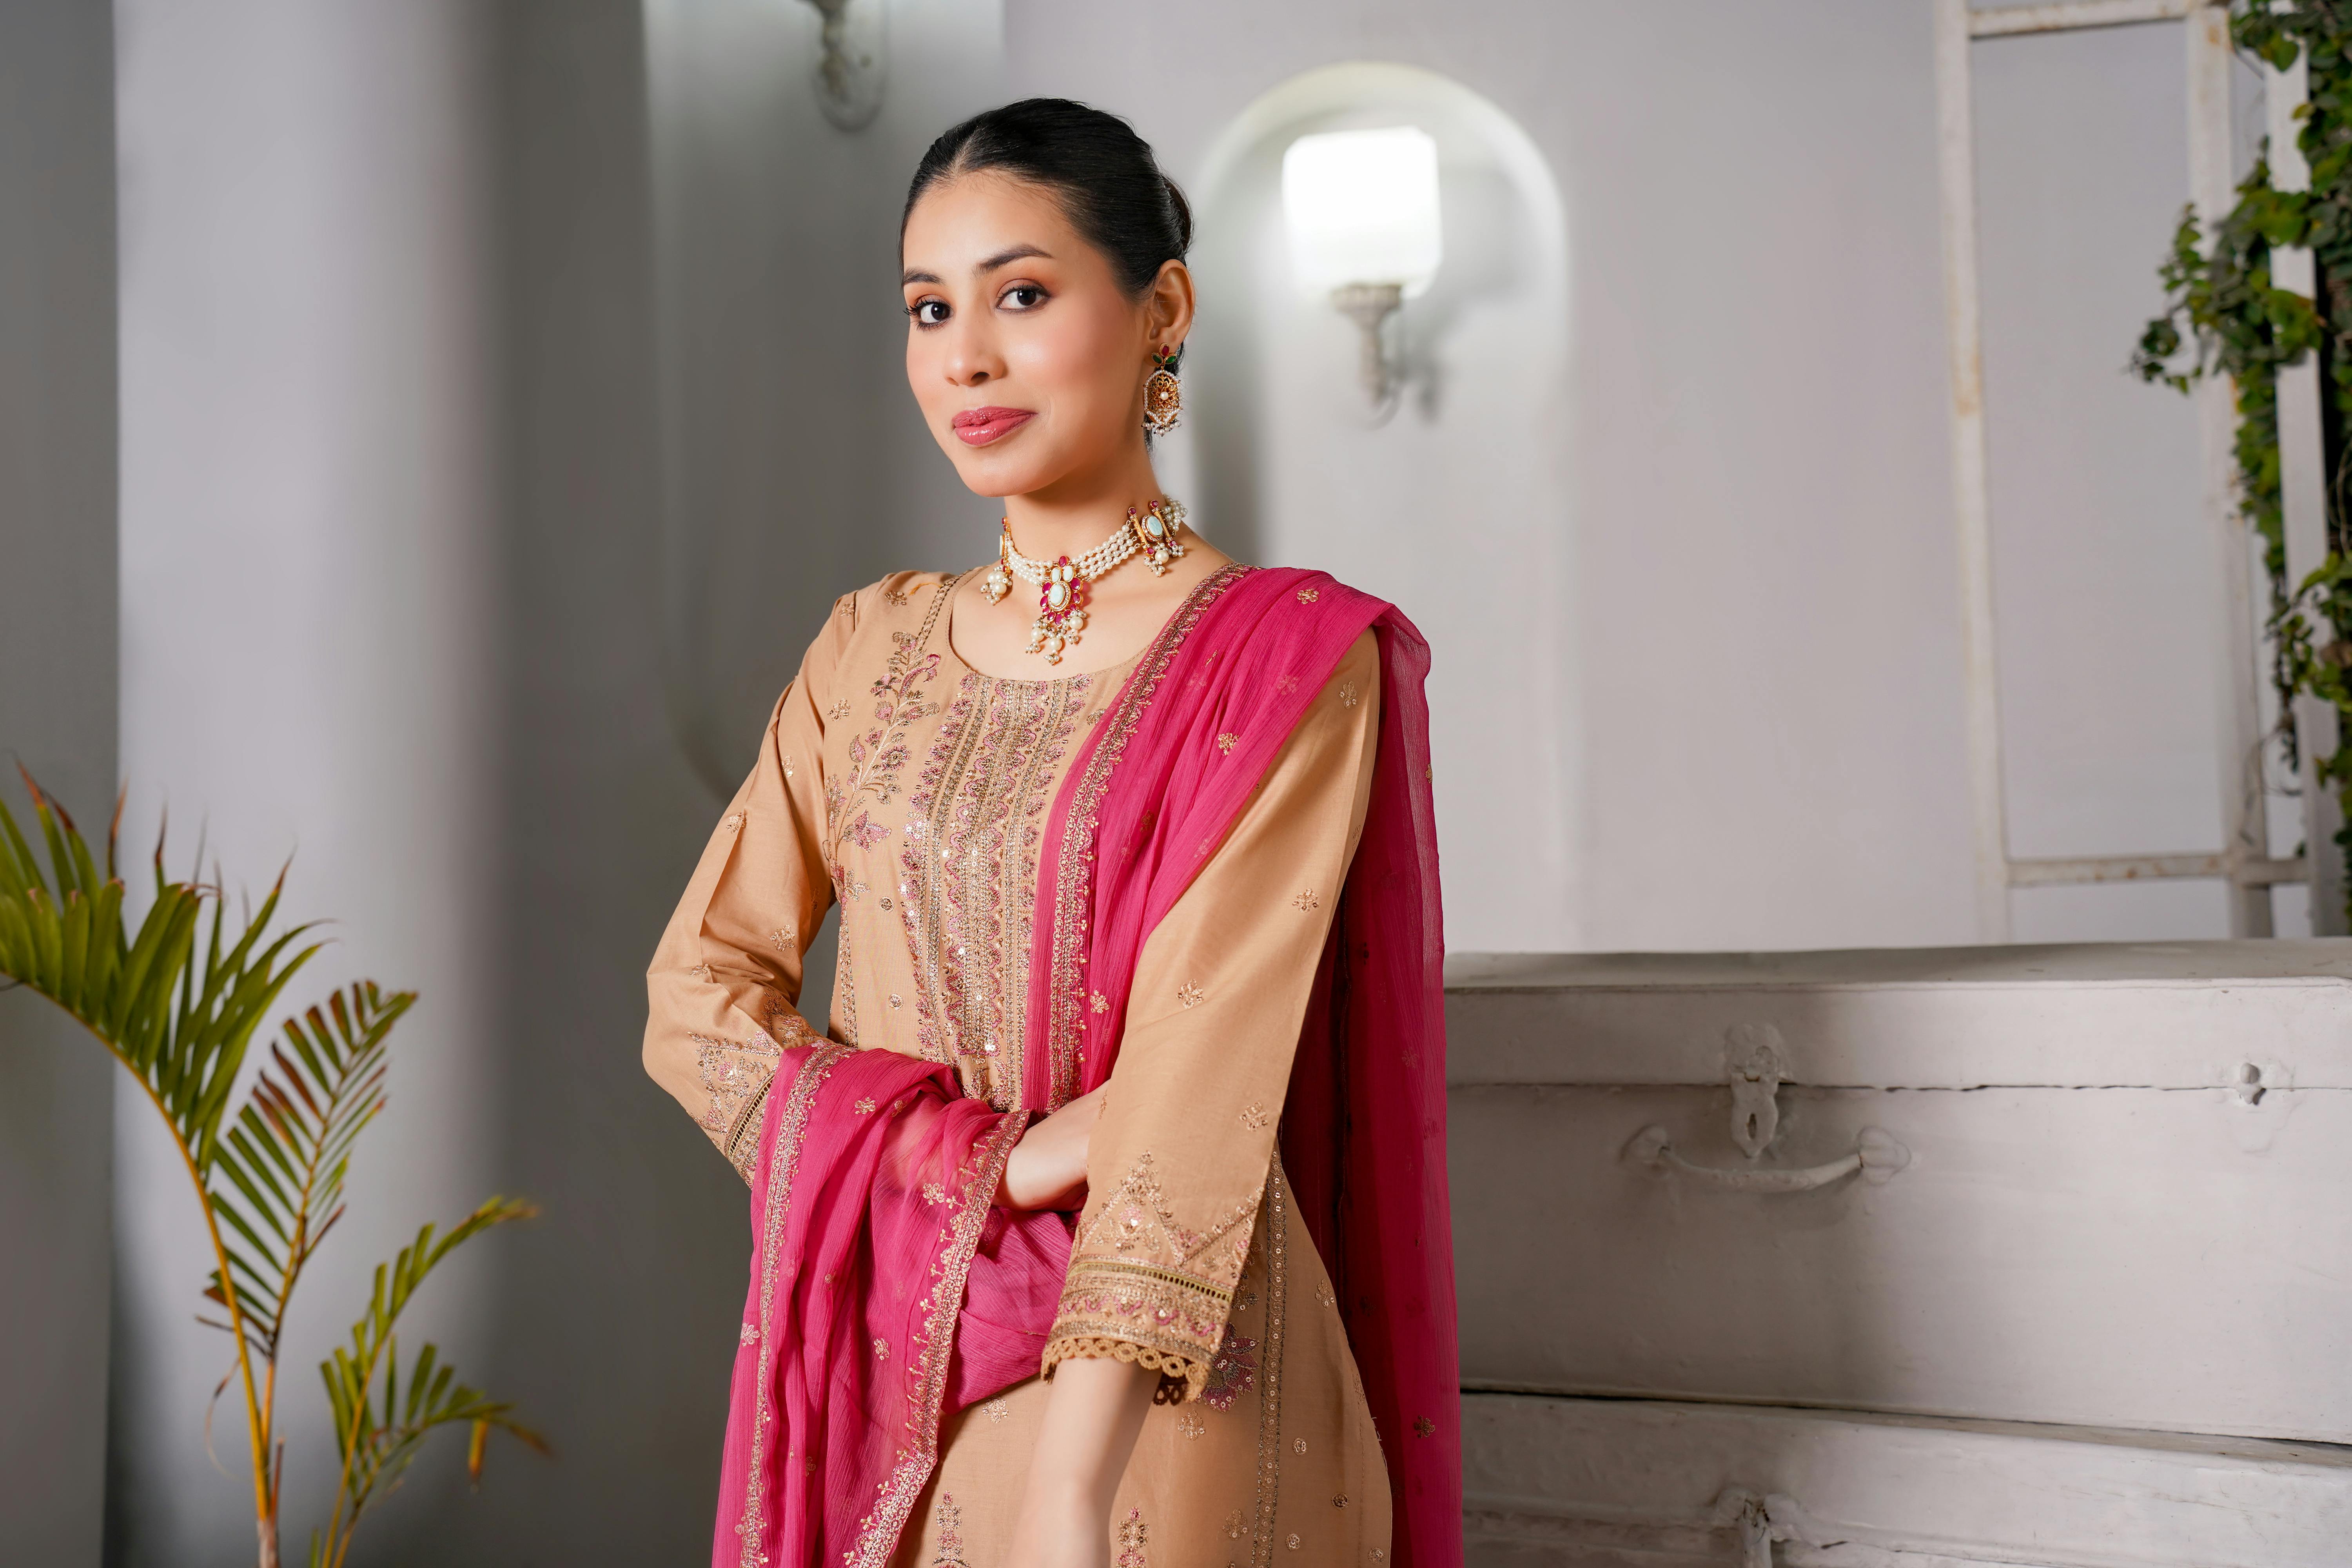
pixel 1163 396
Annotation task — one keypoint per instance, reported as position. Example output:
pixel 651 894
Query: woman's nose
pixel 972 361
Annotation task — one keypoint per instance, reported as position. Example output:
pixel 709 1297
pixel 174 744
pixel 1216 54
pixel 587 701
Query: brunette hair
pixel 1103 172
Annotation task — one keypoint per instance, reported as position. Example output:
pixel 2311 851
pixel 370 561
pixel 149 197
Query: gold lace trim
pixel 1180 1376
pixel 742 1146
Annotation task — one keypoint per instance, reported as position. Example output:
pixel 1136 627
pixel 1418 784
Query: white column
pixel 2302 474
pixel 308 500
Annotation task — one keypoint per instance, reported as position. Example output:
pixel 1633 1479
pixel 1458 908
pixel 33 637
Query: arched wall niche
pixel 1456 509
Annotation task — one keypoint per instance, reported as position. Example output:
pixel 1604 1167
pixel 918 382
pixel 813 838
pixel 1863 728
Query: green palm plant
pixel 178 1002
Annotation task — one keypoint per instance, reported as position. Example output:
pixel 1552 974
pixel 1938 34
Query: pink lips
pixel 978 426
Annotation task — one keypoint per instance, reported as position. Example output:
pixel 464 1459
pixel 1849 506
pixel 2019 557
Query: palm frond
pixel 69 940
pixel 380 1433
pixel 278 1179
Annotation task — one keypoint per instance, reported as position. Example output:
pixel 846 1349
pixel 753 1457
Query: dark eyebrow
pixel 1002 258
pixel 1006 258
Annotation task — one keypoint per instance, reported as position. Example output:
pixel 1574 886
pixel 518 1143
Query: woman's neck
pixel 1078 511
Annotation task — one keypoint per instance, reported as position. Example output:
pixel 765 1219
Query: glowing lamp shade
pixel 1361 207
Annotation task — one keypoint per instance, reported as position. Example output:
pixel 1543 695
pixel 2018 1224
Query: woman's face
pixel 1028 357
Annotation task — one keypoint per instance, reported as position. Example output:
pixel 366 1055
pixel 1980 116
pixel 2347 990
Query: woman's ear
pixel 1169 307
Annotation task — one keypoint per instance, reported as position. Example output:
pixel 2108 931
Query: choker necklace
pixel 1152 531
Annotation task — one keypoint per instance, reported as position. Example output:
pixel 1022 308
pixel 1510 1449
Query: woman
pixel 1106 1221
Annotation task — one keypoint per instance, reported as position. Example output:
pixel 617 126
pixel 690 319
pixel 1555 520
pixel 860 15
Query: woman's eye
pixel 929 312
pixel 1022 296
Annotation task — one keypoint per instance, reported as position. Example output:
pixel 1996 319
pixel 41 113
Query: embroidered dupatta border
pixel 1073 856
pixel 878 1531
pixel 784 1165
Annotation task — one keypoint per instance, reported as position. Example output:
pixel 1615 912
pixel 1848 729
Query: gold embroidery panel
pixel 967 871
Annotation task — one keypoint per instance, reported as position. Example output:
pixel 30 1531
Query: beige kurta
pixel 914 791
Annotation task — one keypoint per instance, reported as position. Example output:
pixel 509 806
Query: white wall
pixel 1763 642
pixel 308 490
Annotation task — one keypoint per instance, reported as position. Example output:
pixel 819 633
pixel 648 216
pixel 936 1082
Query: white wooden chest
pixel 1997 1256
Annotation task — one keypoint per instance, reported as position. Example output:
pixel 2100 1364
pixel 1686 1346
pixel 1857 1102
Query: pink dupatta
pixel 888 1292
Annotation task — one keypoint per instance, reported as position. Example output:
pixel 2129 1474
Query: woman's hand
pixel 1093 1414
pixel 1048 1169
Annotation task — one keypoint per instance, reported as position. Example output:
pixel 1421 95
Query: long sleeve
pixel 725 982
pixel 1180 1159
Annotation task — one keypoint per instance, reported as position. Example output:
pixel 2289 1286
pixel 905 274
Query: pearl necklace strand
pixel 1154 531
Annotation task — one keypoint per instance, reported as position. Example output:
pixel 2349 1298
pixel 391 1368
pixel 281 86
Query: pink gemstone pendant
pixel 1061 611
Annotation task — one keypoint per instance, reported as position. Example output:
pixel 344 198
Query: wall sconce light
pixel 1362 208
pixel 850 69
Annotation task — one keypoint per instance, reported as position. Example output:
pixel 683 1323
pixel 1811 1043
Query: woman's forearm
pixel 1093 1417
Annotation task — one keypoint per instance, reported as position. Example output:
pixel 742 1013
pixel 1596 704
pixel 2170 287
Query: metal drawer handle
pixel 1875 1154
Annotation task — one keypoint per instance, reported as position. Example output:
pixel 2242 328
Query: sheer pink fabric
pixel 886 1291
pixel 1363 1129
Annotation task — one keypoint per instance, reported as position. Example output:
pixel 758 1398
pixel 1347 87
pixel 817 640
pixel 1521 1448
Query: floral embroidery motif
pixel 782 937
pixel 1233 1373
pixel 1253 1116
pixel 898 597
pixel 1139 1277
pixel 839 710
pixel 950 1518
pixel 1132 1536
pixel 1191 994
pixel 733 820
pixel 1306 595
pixel 1347 697
pixel 1190 1424
pixel 1285 684
pixel 865 833
pixel 736 1074
pixel 1294 1542
pixel 882 1353
pixel 1236 1526
pixel 974 827
pixel 788 766
pixel 1100 1006
pixel 1340 1499
pixel 877 757
pixel 934 1193
pixel 1426 1427
pixel 997 1409
pixel 1298 1445
pixel 896 1001
pixel 1323 1297
pixel 1226 742
pixel 750 1334
pixel 1307 902
pixel 864 1106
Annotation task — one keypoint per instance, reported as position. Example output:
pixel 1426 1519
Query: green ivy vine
pixel 2225 317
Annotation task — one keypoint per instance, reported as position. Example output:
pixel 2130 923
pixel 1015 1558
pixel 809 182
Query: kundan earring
pixel 1163 396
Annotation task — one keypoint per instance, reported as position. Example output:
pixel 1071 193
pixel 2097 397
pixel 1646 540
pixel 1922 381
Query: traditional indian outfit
pixel 1207 877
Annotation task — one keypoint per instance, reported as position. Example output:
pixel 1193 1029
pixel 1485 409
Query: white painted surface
pixel 1483 431
pixel 1600 1484
pixel 2103 1194
pixel 308 584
